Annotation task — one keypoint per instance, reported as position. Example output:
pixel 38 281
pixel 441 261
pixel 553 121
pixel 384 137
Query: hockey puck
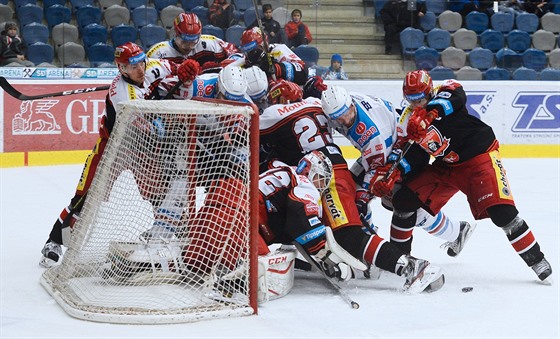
pixel 466 289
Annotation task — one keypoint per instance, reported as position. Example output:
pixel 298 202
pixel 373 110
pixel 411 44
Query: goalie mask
pixel 257 83
pixel 318 168
pixel 335 101
pixel 232 84
pixel 417 85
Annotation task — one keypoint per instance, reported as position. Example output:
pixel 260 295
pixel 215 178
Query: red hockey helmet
pixel 252 38
pixel 417 85
pixel 284 89
pixel 187 26
pixel 129 54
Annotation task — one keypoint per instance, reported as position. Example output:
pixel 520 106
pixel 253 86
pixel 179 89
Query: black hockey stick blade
pixel 20 96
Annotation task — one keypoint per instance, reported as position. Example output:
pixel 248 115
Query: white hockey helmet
pixel 318 168
pixel 232 83
pixel 335 101
pixel 257 82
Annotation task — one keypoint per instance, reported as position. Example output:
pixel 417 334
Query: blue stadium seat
pixel 428 21
pixel 190 4
pixel 477 21
pixel 28 14
pixel 411 40
pixel 243 5
pixel 142 16
pixel 249 16
pixel 527 22
pixel 161 4
pixel 426 58
pixel 481 58
pixel 378 4
pixel 21 3
pixel 508 59
pixel 534 59
pixel 233 34
pixel 40 52
pixel 57 14
pixel 524 73
pixel 438 39
pixel 86 15
pixel 81 3
pixel 309 54
pixel 202 13
pixel 151 35
pixel 213 30
pixel 492 40
pixel 132 4
pixel 49 3
pixel 100 53
pixel 436 6
pixel 550 74
pixel 93 34
pixel 496 73
pixel 122 34
pixel 442 73
pixel 518 40
pixel 502 22
pixel 35 32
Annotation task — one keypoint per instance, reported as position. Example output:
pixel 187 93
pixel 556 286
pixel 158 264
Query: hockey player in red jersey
pixel 467 159
pixel 189 43
pixel 137 74
pixel 291 127
pixel 279 62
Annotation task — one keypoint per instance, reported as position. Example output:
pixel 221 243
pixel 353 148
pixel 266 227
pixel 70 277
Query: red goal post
pixel 189 168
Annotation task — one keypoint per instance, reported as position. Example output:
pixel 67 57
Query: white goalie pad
pixel 276 273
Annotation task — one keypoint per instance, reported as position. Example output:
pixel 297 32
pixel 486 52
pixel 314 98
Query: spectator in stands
pixel 396 16
pixel 13 47
pixel 272 27
pixel 220 14
pixel 539 7
pixel 335 72
pixel 296 31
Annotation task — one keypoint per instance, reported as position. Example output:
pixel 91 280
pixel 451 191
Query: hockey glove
pixel 260 58
pixel 362 200
pixel 314 87
pixel 188 70
pixel 382 183
pixel 419 122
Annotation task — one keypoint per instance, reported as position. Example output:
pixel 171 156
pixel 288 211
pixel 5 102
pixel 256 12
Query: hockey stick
pixel 396 163
pixel 331 281
pixel 20 96
pixel 265 40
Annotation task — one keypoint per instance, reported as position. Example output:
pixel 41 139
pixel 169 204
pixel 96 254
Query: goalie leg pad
pixel 276 274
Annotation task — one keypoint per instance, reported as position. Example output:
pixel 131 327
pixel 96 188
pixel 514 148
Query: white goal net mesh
pixel 164 234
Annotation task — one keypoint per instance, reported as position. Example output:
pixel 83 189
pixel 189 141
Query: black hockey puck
pixel 466 289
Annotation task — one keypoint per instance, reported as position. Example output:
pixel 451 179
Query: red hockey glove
pixel 188 70
pixel 419 122
pixel 381 186
pixel 362 200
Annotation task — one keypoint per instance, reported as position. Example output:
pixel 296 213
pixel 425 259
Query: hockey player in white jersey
pixel 189 43
pixel 373 127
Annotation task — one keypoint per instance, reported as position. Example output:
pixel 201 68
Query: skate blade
pixel 436 284
pixel 547 282
pixel 47 262
pixel 429 275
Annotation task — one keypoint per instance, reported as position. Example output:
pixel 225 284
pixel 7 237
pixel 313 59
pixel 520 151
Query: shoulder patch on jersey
pixel 445 95
pixel 332 150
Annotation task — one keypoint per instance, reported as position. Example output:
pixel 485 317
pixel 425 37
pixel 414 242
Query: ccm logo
pixel 278 260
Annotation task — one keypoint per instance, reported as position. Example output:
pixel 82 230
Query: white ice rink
pixel 506 301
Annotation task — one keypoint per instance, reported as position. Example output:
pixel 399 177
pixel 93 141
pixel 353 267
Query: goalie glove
pixel 419 122
pixel 188 70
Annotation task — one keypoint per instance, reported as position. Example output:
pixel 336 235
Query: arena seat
pixel 543 40
pixel 64 32
pixel 116 15
pixel 436 6
pixel 502 22
pixel 426 58
pixel 161 4
pixel 40 52
pixel 168 15
pixel 202 13
pixel 411 39
pixel 35 32
pixel 518 40
pixel 492 40
pixel 524 73
pixel 442 73
pixel 86 15
pixel 550 74
pixel 71 53
pixel 249 16
pixel 477 21
pixel 6 13
pixel 465 39
pixel 508 59
pixel 190 4
pixel 450 21
pixel 496 73
pixel 428 21
pixel 104 4
pixel 282 15
pixel 554 58
pixel 233 34
pixel 551 22
pixel 143 16
pixel 151 35
pixel 133 4
pixel 100 53
pixel 213 30
pixel 28 14
pixel 57 14
pixel 453 57
pixel 534 59
pixel 121 34
pixel 481 58
pixel 438 39
pixel 80 3
pixel 309 54
pixel 93 34
pixel 468 73
pixel 527 22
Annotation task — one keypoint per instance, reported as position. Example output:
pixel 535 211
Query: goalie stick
pixel 330 280
pixel 20 96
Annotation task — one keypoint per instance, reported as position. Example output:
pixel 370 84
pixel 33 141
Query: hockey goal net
pixel 165 232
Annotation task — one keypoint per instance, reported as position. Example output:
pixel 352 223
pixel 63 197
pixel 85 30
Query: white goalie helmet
pixel 318 168
pixel 232 83
pixel 257 82
pixel 335 101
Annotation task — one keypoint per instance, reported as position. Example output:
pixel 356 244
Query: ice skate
pixel 543 270
pixel 420 275
pixel 159 231
pixel 52 252
pixel 455 247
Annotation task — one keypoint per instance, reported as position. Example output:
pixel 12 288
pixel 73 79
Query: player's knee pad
pixel 405 200
pixel 502 215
